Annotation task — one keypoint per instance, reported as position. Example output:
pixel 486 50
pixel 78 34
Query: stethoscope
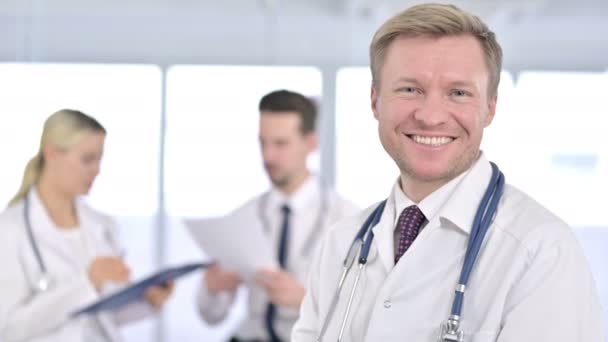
pixel 43 282
pixel 450 329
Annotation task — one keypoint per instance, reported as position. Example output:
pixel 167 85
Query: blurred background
pixel 176 83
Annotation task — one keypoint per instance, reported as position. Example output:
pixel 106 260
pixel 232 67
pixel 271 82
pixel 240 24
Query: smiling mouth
pixel 431 141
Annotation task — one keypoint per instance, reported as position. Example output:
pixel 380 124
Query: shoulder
pixel 530 223
pixel 339 238
pixel 341 201
pixel 249 207
pixel 347 228
pixel 12 212
pixel 11 223
pixel 340 207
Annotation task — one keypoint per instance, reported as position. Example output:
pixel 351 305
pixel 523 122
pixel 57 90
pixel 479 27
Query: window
pixel 364 172
pixel 126 100
pixel 211 107
pixel 213 163
pixel 560 139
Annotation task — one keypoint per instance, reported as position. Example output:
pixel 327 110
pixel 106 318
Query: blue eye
pixel 409 91
pixel 458 92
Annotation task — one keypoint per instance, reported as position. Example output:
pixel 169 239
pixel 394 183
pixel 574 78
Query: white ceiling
pixel 484 8
pixel 542 34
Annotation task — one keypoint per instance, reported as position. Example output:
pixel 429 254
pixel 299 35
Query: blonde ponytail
pixel 62 129
pixel 30 177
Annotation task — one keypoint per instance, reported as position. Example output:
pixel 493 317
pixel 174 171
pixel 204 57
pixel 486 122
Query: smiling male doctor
pixel 435 75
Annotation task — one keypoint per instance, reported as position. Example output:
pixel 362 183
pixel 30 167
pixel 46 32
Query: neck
pixel 417 191
pixel 59 205
pixel 295 183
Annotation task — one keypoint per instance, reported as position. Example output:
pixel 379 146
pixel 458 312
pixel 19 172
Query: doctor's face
pixel 432 105
pixel 284 147
pixel 75 169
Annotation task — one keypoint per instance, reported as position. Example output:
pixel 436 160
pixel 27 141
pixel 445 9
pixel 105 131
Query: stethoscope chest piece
pixel 450 331
pixel 44 280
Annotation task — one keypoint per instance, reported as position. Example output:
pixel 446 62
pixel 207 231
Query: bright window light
pixel 560 135
pixel 213 164
pixel 124 98
pixel 213 161
pixel 364 172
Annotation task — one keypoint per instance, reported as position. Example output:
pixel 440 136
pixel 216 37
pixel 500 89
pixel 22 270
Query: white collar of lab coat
pixel 452 201
pixel 45 230
pixel 459 207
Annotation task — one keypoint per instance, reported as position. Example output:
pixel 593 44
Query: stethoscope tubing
pixel 481 224
pixel 30 235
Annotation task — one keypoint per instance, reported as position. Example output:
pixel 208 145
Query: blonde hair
pixel 62 129
pixel 437 20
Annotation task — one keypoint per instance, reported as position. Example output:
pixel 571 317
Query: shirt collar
pixel 456 201
pixel 462 205
pixel 298 200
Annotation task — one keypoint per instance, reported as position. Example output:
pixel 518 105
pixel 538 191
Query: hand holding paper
pixel 219 280
pixel 236 243
pixel 282 288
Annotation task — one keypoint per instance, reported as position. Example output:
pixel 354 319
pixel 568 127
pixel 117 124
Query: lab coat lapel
pixel 45 233
pixel 316 231
pixel 383 239
pixel 98 238
pixel 99 241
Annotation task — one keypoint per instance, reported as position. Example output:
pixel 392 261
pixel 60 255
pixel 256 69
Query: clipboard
pixel 136 291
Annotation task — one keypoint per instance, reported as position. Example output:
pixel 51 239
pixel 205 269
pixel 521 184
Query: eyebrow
pixel 407 79
pixel 462 84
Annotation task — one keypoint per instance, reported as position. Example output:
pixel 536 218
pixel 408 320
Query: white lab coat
pixel 305 237
pixel 531 282
pixel 26 316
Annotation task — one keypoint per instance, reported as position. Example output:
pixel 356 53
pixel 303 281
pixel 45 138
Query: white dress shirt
pixel 313 210
pixel 45 317
pixel 531 282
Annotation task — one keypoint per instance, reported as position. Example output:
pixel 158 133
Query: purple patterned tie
pixel 409 224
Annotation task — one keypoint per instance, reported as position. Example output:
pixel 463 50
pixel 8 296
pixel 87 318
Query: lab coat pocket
pixel 483 336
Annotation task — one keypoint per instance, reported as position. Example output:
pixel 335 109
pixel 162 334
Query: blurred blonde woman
pixel 56 253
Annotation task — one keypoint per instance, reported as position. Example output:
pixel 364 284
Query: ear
pixel 491 111
pixel 49 152
pixel 312 141
pixel 374 98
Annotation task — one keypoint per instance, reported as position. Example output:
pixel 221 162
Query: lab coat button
pixel 387 304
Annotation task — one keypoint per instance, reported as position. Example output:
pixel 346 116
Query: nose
pixel 268 152
pixel 432 111
pixel 95 169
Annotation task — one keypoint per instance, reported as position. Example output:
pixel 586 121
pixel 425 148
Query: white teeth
pixel 431 141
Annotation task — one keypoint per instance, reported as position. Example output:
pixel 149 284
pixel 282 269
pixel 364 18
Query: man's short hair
pixel 289 101
pixel 435 21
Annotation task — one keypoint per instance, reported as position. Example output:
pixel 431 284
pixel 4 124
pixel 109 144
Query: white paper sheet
pixel 236 243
